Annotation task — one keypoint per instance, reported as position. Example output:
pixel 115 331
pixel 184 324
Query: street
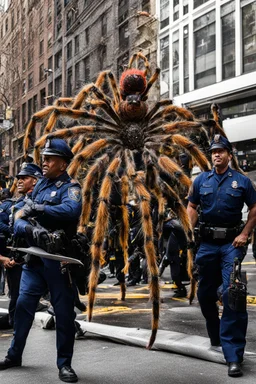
pixel 98 360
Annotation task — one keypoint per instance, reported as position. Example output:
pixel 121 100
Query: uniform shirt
pixel 63 205
pixel 222 197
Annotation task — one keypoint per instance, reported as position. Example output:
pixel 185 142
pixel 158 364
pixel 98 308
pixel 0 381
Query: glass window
pixel 197 3
pixel 175 10
pixel 185 7
pixel 41 72
pixel 76 44
pixel 69 82
pixel 164 65
pixel 249 37
pixel 164 53
pixel 228 40
pixel 69 50
pixel 30 80
pixel 123 10
pixel 58 86
pixel 185 53
pixel 41 47
pixel 205 55
pixel 175 61
pixel 164 13
pixel 124 36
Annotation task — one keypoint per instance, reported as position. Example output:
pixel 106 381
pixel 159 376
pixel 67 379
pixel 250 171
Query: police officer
pixel 27 179
pixel 56 205
pixel 221 194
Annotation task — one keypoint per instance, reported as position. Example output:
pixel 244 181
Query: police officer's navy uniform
pixel 221 198
pixel 61 198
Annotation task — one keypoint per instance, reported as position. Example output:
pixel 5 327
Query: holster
pixel 237 290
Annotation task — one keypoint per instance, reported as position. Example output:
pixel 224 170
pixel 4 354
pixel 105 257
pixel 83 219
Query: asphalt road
pixel 101 361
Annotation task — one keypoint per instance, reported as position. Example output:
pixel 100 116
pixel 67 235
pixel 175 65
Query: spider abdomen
pixel 132 136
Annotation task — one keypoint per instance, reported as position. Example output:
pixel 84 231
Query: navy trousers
pixel 34 283
pixel 215 264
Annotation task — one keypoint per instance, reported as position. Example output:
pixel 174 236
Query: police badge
pixel 234 184
pixel 216 139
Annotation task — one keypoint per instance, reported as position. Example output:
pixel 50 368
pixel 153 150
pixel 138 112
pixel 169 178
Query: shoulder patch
pixel 74 193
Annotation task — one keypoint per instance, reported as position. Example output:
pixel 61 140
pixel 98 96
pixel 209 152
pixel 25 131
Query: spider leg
pixel 124 230
pixel 182 113
pixel 193 149
pixel 91 178
pixel 136 56
pixel 175 126
pixel 158 105
pixel 104 104
pixel 151 81
pixel 152 182
pixel 80 144
pixel 100 229
pixel 87 153
pixel 147 226
pixel 63 100
pixel 112 80
pixel 170 167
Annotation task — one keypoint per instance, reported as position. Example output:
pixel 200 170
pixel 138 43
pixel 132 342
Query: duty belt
pixel 219 233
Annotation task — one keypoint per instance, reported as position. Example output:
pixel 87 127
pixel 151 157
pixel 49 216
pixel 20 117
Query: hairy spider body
pixel 122 142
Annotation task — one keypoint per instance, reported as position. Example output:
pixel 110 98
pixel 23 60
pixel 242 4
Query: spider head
pixel 133 109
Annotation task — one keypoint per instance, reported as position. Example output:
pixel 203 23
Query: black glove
pixel 32 209
pixel 38 236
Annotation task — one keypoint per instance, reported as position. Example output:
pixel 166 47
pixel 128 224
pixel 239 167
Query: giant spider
pixel 121 127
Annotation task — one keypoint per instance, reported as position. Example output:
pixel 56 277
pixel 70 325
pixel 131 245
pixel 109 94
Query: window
pixel 34 103
pixel 78 83
pixel 23 63
pixel 41 47
pixel 164 65
pixel 205 55
pixel 145 6
pixel 123 10
pixel 185 56
pixel 58 86
pixel 228 40
pixel 30 57
pixel 175 10
pixel 30 108
pixel 185 7
pixel 86 64
pixel 6 25
pixel 12 19
pixel 175 63
pixel 24 87
pixel 70 19
pixel 197 3
pixel 87 36
pixel 42 97
pixel 102 53
pixel 104 25
pixel 50 62
pixel 58 60
pixel 124 36
pixel 23 113
pixel 50 93
pixel 49 41
pixel 41 72
pixel 164 13
pixel 30 81
pixel 69 50
pixel 76 44
pixel 49 17
pixel 69 82
pixel 249 37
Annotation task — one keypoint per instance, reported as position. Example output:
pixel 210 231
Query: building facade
pixel 58 46
pixel 207 53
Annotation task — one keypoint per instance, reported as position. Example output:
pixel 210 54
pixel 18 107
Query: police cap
pixel 57 147
pixel 30 169
pixel 220 142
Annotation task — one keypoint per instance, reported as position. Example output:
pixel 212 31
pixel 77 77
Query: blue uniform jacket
pixel 5 211
pixel 222 198
pixel 63 205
